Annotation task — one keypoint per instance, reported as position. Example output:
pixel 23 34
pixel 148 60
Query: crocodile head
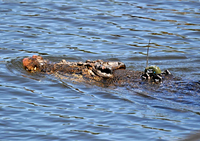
pixel 106 69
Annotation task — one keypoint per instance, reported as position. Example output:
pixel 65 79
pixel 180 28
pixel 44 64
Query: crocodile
pixel 96 70
pixel 111 73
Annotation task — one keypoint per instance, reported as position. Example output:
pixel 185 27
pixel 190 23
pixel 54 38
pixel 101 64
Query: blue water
pixel 44 107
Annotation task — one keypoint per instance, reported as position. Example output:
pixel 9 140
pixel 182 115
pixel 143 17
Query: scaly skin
pixel 96 70
pixel 107 74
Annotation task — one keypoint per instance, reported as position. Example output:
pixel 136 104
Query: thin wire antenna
pixel 148 53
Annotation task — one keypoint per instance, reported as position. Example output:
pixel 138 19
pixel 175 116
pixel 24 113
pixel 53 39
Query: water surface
pixel 43 107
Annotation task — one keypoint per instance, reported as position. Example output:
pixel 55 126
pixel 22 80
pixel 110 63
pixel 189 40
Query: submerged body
pixel 110 74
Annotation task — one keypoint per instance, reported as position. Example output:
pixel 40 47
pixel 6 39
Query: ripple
pixel 43 107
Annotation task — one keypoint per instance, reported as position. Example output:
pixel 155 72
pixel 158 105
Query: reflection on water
pixel 42 107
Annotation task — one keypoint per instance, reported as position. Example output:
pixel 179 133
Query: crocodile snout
pixel 32 63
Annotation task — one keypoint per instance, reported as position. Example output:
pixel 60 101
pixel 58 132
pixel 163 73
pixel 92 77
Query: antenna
pixel 148 52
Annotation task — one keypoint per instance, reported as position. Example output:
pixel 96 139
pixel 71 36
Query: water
pixel 43 107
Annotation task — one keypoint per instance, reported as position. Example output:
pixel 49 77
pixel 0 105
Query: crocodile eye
pixel 107 70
